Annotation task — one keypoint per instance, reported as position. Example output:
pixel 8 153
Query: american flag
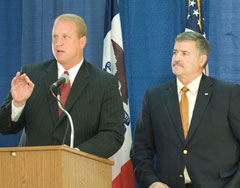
pixel 195 21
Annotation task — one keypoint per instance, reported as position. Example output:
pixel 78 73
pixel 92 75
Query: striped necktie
pixel 65 88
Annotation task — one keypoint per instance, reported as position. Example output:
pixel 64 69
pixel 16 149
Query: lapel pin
pixel 205 94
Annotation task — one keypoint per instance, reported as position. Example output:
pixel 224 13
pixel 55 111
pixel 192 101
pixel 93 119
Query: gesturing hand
pixel 21 89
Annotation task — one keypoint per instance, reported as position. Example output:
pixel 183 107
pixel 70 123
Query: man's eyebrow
pixel 181 50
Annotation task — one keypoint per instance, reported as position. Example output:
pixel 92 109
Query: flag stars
pixel 198 22
pixel 195 12
pixel 195 20
pixel 192 3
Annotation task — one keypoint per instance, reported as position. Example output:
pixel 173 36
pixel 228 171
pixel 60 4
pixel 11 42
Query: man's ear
pixel 203 59
pixel 83 41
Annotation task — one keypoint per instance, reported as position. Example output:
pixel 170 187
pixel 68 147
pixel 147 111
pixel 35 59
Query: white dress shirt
pixel 192 96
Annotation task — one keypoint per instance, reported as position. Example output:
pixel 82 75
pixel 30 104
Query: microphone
pixel 63 79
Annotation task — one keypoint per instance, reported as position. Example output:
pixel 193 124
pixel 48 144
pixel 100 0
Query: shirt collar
pixel 192 86
pixel 72 72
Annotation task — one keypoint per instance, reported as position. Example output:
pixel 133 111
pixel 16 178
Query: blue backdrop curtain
pixel 10 56
pixel 149 29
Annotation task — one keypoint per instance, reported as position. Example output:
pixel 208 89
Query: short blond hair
pixel 79 22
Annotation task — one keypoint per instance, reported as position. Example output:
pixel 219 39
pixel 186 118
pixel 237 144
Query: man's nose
pixel 59 41
pixel 176 57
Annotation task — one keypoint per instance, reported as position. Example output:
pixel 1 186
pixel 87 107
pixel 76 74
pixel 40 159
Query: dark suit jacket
pixel 212 145
pixel 94 103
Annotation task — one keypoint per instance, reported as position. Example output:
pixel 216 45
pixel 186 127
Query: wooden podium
pixel 53 167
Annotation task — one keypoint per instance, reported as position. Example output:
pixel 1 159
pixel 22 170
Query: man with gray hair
pixel 190 126
pixel 91 97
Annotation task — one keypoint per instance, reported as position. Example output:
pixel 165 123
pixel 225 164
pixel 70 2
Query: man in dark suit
pixel 204 153
pixel 94 101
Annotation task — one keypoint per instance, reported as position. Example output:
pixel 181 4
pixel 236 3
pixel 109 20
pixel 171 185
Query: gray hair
pixel 202 44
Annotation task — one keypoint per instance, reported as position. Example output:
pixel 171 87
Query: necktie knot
pixel 185 89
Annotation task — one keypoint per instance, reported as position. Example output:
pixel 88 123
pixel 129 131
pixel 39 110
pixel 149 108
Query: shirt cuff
pixel 16 112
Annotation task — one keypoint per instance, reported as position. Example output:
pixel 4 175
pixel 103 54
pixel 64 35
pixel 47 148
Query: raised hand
pixel 21 89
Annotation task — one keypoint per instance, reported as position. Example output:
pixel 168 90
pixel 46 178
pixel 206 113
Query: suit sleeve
pixel 143 148
pixel 6 125
pixel 234 119
pixel 110 135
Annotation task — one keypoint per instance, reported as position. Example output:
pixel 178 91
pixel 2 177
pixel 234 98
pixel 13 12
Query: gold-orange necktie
pixel 184 111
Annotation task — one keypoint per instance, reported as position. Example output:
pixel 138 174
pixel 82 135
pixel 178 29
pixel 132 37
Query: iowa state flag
pixel 113 62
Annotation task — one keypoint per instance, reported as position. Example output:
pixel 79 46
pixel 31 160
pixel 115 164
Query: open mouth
pixel 60 51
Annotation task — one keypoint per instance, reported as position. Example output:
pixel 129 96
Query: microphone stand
pixel 70 120
pixel 66 112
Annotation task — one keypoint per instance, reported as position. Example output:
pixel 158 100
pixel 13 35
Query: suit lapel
pixel 51 77
pixel 171 96
pixel 80 82
pixel 203 98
